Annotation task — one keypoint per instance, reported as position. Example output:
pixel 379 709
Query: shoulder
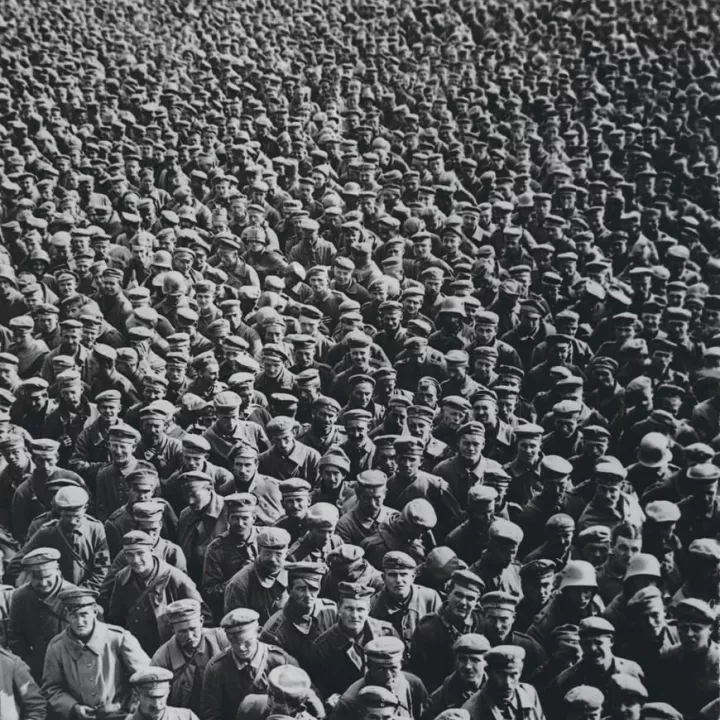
pixel 116 514
pixel 219 659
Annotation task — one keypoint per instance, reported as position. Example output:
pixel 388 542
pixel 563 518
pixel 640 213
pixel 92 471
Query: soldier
pixel 333 468
pixel 408 531
pixel 20 696
pixel 410 483
pixel 36 614
pixel 229 429
pixel 339 658
pixel 700 510
pixel 322 432
pixel 296 503
pixel 358 446
pixel 202 521
pixel 538 582
pixel 152 687
pixel 88 665
pixel 497 621
pixel 195 452
pixel 240 670
pixel 377 703
pixel 497 566
pixel 188 652
pixel 686 675
pixel 575 600
pixel 348 564
pixel 584 702
pixel 156 446
pixel 435 635
pixel 320 538
pixel 289 695
pixel 262 585
pixel 401 602
pixel 143 588
pixel 287 457
pixel 244 462
pixel 467 677
pixel 305 616
pixel 33 496
pixel 91 448
pixel 503 694
pixel 597 665
pixel 384 656
pixel 468 466
pixel 369 510
pixel 142 484
pixel 111 487
pixel 231 551
pixel 84 556
pixel 526 468
pixel 649 634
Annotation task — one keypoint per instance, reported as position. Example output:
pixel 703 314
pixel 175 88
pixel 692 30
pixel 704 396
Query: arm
pixel 53 685
pixel 213 585
pixel 212 694
pixel 133 656
pixel 100 560
pixel 27 693
pixel 235 595
pixel 17 638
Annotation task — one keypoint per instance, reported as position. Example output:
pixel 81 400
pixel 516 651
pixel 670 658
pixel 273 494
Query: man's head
pixel 242 628
pixel 353 606
pixel 499 610
pixel 273 546
pixel 122 442
pixel 597 636
pixel 81 609
pixel 504 667
pixel 43 567
pixel 186 621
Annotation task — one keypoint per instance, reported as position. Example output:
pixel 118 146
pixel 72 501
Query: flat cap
pixel 505 657
pixel 40 556
pixel 354 591
pixel 596 627
pixel 386 651
pixel 288 682
pixel 151 677
pixel 239 619
pixel 71 498
pixel 183 610
pixel 585 697
pixel 471 644
pixel 398 560
pixel 420 514
pixel 273 538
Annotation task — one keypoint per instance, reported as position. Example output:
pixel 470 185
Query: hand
pixel 333 700
pixel 66 441
pixel 84 712
pixel 82 466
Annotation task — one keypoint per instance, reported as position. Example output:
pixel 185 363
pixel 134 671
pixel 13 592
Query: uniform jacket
pixel 245 589
pixel 186 687
pixel 20 696
pixel 405 617
pixel 225 685
pixel 296 639
pixel 121 522
pixel 171 713
pixel 267 491
pixel 387 538
pixel 361 572
pixel 353 528
pixel 339 660
pixel 93 673
pixel 431 650
pixel 34 621
pixel 84 556
pixel 140 604
pixel 408 689
pixel 221 445
pixel 302 462
pixel 525 704
pixel 460 478
pixel 225 555
pixel 197 529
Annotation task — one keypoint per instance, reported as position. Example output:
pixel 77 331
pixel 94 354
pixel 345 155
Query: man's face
pixel 121 451
pixel 484 334
pixel 303 595
pixel 244 643
pixel 625 548
pixel 353 614
pixel 271 561
pixel 596 650
pixel 188 634
pixel 140 560
pixel 461 602
pixel 399 582
pixel 485 412
pixel 241 522
pixel 44 578
pixel 37 400
pixel 505 681
pixel 46 462
pixel 607 495
pixel 284 443
pixel 153 430
pixel 498 624
pixel 694 636
pixel 470 448
pixel 109 411
pixel 244 469
pixel 81 620
pixel 199 496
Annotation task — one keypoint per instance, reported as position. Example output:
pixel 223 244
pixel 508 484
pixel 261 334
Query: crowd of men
pixel 359 360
